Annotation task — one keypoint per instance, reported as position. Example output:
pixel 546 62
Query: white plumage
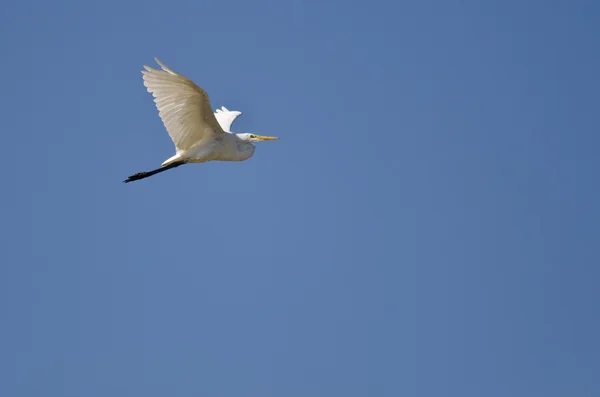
pixel 199 135
pixel 226 117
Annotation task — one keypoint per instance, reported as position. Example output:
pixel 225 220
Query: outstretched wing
pixel 226 117
pixel 183 107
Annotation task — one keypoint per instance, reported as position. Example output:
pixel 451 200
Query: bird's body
pixel 226 147
pixel 199 134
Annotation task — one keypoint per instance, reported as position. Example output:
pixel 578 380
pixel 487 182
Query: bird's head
pixel 255 138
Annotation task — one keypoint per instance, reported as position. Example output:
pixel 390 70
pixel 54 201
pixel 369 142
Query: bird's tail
pixel 142 175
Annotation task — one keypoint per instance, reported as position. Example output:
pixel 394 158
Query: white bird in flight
pixel 198 134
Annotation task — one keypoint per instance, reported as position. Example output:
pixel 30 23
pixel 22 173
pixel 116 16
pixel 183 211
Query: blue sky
pixel 428 224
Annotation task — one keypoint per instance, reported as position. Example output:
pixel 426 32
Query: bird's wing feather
pixel 226 117
pixel 183 107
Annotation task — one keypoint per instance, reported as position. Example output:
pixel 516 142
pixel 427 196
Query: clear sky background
pixel 428 224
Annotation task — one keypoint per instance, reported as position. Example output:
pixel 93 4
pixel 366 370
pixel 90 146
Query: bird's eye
pixel 252 136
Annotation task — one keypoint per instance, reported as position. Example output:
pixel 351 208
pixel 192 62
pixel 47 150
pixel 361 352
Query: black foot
pixel 135 177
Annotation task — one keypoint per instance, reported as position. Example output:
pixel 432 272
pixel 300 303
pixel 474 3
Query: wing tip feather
pixel 165 67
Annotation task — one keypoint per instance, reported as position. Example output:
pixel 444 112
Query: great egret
pixel 198 134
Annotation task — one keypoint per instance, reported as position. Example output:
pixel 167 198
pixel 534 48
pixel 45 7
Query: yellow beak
pixel 267 138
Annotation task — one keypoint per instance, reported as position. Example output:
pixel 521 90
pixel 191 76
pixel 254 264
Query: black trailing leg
pixel 142 175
